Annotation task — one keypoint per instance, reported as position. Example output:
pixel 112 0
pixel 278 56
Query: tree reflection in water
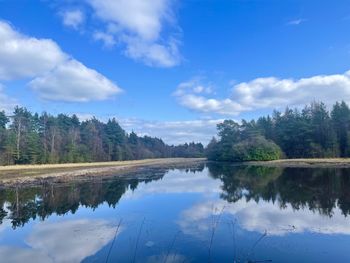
pixel 20 204
pixel 320 190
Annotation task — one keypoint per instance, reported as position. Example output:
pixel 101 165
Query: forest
pixel 30 138
pixel 313 132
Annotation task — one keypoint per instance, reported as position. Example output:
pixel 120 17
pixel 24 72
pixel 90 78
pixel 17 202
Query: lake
pixel 196 213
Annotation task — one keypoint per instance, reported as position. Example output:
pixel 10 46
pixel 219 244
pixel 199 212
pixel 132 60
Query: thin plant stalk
pixel 171 246
pixel 115 235
pixel 137 240
pixel 215 225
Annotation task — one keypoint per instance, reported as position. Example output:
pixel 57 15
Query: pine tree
pixel 341 123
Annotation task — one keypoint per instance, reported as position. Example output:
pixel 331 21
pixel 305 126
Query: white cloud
pixel 72 81
pixel 209 105
pixel 57 76
pixel 142 17
pixel 107 39
pixel 139 24
pixel 274 92
pixel 7 103
pixel 153 54
pixel 193 86
pixel 194 95
pixel 174 132
pixel 26 57
pixel 73 18
pixel 269 93
pixel 83 116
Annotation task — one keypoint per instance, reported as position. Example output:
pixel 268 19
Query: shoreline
pixel 305 163
pixel 26 174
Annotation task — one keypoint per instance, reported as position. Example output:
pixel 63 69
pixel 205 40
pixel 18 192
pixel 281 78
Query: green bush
pixel 256 149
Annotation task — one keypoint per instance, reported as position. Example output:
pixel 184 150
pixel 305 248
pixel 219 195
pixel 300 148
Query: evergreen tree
pixel 313 132
pixel 341 123
pixel 3 137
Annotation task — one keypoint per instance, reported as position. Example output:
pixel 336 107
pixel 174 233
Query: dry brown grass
pixel 308 162
pixel 93 164
pixel 26 173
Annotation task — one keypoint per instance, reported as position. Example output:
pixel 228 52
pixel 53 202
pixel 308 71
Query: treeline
pixel 311 132
pixel 27 138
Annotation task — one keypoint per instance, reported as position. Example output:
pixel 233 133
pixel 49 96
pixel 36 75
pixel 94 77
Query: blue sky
pixel 172 68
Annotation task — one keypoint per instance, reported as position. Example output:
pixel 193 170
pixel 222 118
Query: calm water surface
pixel 204 213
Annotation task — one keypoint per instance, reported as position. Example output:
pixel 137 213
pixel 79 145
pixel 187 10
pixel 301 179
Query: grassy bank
pixel 27 173
pixel 307 163
pixel 17 174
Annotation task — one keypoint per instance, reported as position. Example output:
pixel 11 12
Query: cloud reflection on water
pixel 261 216
pixel 177 182
pixel 63 241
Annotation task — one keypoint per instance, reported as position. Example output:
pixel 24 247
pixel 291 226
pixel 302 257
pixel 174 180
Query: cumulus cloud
pixel 73 18
pixel 138 24
pixel 72 81
pixel 25 57
pixel 268 93
pixel 153 54
pixel 195 95
pixel 107 39
pixel 174 132
pixel 57 76
pixel 210 105
pixel 193 86
pixel 144 17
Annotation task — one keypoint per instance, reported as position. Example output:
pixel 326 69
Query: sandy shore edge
pixel 17 174
pixel 306 163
